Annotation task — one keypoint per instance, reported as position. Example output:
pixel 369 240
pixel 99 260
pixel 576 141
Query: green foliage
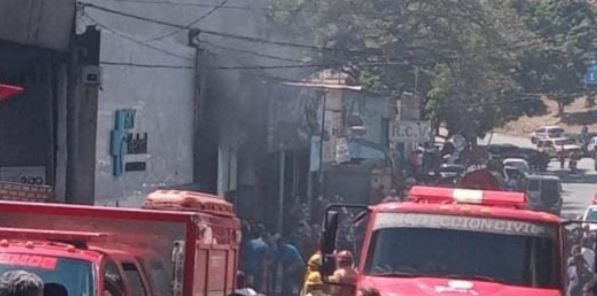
pixel 475 60
pixel 566 31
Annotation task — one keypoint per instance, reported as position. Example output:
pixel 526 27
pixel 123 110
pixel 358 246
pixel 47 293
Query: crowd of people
pixel 272 264
pixel 581 263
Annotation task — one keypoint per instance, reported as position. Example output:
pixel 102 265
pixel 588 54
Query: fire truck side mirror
pixel 328 242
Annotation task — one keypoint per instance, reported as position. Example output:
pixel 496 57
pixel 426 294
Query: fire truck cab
pixel 181 244
pixel 446 241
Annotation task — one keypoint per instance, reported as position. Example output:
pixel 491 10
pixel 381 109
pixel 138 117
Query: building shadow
pixel 580 118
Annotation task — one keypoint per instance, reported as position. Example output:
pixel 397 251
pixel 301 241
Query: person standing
pixel 255 257
pixel 578 272
pixel 21 283
pixel 587 252
pixel 344 274
pixel 288 257
pixel 562 157
pixel 315 286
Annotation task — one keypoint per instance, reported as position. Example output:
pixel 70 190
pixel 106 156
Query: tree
pixel 461 52
pixel 565 38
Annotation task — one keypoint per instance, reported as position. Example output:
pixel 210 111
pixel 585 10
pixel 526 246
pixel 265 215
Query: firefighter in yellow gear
pixel 344 274
pixel 313 266
pixel 315 286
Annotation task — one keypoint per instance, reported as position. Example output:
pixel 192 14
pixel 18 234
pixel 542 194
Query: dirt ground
pixel 575 116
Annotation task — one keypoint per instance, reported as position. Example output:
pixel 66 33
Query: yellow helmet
pixel 315 261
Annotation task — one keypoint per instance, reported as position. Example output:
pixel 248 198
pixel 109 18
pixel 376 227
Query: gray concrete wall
pixel 163 101
pixel 37 22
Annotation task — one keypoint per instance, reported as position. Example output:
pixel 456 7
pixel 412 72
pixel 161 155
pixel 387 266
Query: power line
pixel 142 43
pixel 231 6
pixel 153 66
pixel 220 34
pixel 254 53
pixel 252 67
pixel 193 22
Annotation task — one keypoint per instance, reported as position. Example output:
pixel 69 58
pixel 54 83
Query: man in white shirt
pixel 587 252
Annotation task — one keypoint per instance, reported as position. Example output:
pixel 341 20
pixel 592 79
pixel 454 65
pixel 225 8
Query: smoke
pixel 242 95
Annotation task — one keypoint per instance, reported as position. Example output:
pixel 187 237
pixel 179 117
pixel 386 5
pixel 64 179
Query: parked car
pixel 537 160
pixel 590 215
pixel 519 163
pixel 499 151
pixel 554 146
pixel 451 170
pixel 544 193
pixel 546 132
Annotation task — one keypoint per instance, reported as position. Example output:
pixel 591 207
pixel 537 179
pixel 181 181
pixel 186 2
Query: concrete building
pixel 145 104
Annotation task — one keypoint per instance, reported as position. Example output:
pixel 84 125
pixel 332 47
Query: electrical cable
pixel 220 34
pixel 142 43
pixel 192 23
pixel 253 67
pixel 273 57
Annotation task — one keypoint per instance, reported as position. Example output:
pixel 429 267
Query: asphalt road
pixel 579 188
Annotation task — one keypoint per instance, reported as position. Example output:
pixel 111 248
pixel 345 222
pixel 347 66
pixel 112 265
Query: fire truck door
pixel 135 279
pixel 113 281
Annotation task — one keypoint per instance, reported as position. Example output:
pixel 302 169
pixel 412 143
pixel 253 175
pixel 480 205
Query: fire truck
pixel 181 243
pixel 454 241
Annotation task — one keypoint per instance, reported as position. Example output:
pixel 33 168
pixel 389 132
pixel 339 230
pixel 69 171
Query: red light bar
pixel 51 235
pixel 595 199
pixel 422 194
pixel 7 91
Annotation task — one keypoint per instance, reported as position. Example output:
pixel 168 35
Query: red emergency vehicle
pixel 183 243
pixel 451 241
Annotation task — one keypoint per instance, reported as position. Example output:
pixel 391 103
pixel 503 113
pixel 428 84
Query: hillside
pixel 573 119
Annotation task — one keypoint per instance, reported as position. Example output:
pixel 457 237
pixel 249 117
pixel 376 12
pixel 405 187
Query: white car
pixel 546 132
pixel 591 215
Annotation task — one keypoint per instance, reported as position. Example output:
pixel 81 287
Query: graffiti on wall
pixel 124 140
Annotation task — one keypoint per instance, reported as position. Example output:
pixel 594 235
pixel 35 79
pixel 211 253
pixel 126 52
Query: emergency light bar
pixel 49 235
pixel 423 194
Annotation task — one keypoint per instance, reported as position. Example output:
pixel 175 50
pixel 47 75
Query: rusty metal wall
pixel 42 23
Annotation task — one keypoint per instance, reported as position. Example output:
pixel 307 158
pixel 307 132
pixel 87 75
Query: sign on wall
pixel 409 131
pixel 124 141
pixel 34 175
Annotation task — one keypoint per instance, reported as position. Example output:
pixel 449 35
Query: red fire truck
pixel 447 241
pixel 182 243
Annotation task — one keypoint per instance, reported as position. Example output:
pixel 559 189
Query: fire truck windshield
pixel 504 251
pixel 60 275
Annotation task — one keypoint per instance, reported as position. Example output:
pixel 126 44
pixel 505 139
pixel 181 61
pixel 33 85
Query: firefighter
pixel 344 274
pixel 315 286
pixel 313 266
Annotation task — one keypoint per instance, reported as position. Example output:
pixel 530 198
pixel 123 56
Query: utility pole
pixel 198 104
pixel 321 140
